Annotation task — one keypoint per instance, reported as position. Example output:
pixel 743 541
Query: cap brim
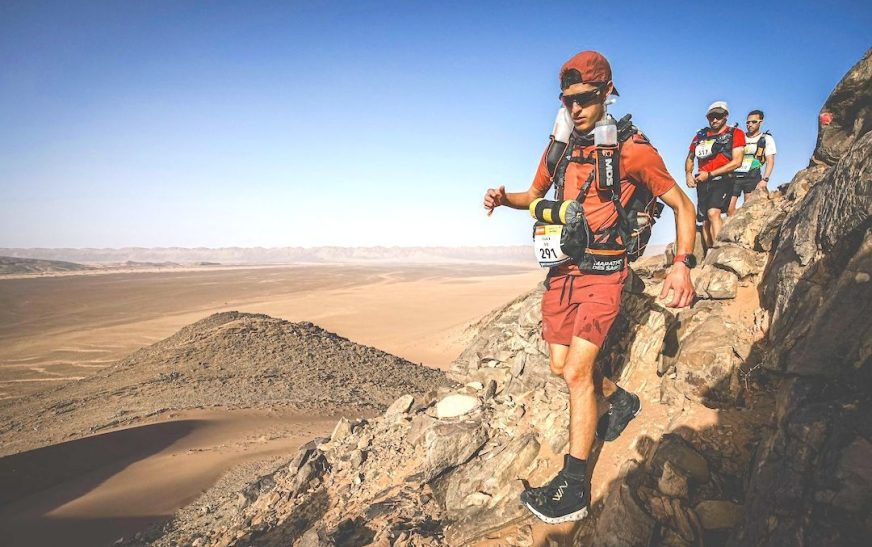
pixel 615 91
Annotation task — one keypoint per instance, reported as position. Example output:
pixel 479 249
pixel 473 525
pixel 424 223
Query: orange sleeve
pixel 542 180
pixel 641 162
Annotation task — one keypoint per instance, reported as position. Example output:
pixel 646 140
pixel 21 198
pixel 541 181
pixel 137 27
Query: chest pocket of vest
pixel 704 148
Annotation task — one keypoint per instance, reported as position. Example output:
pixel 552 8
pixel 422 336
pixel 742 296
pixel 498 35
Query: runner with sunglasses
pixel 719 150
pixel 759 151
pixel 580 305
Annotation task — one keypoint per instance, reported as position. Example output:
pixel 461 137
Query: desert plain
pixel 59 329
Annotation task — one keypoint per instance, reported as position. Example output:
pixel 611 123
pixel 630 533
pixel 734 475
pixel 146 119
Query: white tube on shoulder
pixel 562 126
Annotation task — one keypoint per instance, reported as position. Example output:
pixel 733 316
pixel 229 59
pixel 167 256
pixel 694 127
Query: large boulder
pixel 715 283
pixel 847 114
pixel 739 260
pixel 707 363
pixel 819 238
pixel 811 481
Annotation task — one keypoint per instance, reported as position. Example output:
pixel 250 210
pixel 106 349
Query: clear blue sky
pixel 362 123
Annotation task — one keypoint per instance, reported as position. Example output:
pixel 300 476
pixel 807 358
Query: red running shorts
pixel 581 305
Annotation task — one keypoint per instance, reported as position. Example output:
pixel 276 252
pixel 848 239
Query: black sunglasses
pixel 583 99
pixel 715 116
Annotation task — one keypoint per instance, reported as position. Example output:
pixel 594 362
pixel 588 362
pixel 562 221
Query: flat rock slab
pixel 456 404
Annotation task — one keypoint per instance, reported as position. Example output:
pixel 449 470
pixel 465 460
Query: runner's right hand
pixel 691 182
pixel 493 198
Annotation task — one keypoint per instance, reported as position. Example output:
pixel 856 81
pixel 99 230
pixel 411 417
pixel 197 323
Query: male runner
pixel 579 307
pixel 718 150
pixel 759 151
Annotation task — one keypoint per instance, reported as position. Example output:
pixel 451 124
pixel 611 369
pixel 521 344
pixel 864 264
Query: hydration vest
pixel 712 145
pixel 754 158
pixel 760 153
pixel 629 235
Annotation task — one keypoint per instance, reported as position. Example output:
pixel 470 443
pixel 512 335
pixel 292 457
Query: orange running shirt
pixel 640 164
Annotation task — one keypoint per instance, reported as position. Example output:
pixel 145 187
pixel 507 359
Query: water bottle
pixel 605 133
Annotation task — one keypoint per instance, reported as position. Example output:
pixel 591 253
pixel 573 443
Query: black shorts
pixel 713 194
pixel 747 183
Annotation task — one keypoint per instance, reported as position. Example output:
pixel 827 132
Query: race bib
pixel 546 243
pixel 747 163
pixel 704 148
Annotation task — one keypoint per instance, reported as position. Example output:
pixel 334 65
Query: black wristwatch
pixel 688 260
pixel 765 179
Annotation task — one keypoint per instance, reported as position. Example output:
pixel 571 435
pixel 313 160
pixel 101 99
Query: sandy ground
pixel 94 490
pixel 56 329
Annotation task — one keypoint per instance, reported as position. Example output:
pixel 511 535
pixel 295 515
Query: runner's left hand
pixel 678 281
pixel 761 185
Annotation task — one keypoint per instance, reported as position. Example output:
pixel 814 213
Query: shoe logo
pixel 559 494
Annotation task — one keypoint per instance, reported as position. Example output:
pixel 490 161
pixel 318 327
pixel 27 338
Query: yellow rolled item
pixel 533 205
pixel 547 213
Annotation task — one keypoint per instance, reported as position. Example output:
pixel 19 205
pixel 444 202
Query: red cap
pixel 592 66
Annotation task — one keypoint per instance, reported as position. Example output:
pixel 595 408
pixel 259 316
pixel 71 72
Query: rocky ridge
pixel 230 360
pixel 10 265
pixel 754 428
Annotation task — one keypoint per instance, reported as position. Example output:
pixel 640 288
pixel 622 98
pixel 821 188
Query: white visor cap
pixel 718 105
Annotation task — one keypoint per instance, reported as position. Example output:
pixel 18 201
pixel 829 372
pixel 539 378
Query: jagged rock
pixel 718 514
pixel 743 227
pixel 682 457
pixel 308 471
pixel 808 271
pixel 451 444
pixel 801 485
pixel 314 538
pixel 491 390
pixel 711 282
pixel 673 482
pixel 650 335
pixel 672 513
pixel 341 431
pixel 840 326
pixel 496 476
pixel 400 406
pixel 707 363
pixel 803 180
pixel 623 521
pixel 736 259
pixel 456 404
pixel 518 364
pixel 847 114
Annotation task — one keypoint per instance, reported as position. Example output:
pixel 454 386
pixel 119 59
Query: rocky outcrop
pixel 847 114
pixel 811 482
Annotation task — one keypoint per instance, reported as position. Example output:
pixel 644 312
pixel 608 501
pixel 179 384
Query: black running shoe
pixel 612 423
pixel 561 500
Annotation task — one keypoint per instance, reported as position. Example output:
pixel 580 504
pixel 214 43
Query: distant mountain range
pixel 279 255
pixel 200 256
pixel 16 265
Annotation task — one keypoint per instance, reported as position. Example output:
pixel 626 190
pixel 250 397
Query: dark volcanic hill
pixel 231 359
pixel 10 265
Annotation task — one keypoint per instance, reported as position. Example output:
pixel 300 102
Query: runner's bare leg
pixel 578 372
